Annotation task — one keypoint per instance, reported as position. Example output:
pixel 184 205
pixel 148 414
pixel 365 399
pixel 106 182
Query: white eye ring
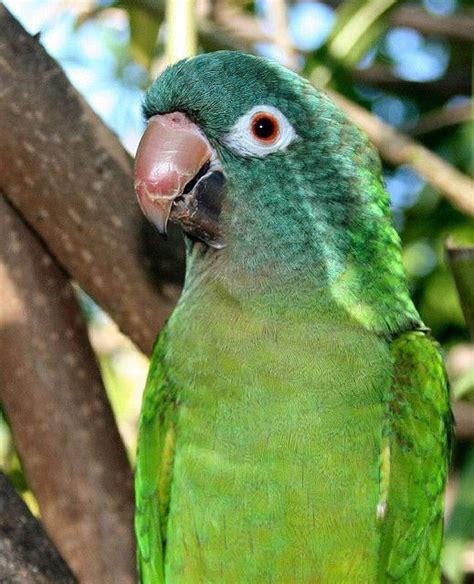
pixel 243 138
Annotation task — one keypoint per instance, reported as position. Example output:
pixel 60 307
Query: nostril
pixel 178 119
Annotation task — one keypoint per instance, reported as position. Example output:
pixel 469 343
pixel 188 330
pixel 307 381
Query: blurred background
pixel 408 63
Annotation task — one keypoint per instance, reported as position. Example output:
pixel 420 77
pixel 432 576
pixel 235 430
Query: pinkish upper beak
pixel 171 153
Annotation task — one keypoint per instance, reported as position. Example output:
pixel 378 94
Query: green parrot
pixel 295 423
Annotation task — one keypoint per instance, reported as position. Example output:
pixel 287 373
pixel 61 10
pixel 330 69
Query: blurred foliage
pixel 143 36
pixel 401 66
pixel 11 465
pixel 461 259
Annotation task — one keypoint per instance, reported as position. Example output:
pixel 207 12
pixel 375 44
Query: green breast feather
pixel 406 505
pixel 295 422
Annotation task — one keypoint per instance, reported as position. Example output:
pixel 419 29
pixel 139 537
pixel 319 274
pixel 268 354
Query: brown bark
pixel 72 181
pixel 464 420
pixel 27 556
pixel 440 119
pixel 62 424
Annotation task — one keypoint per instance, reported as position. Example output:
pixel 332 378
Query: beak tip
pixel 161 226
pixel 160 222
pixel 156 211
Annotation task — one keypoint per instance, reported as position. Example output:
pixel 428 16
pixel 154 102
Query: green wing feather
pixel 418 435
pixel 154 468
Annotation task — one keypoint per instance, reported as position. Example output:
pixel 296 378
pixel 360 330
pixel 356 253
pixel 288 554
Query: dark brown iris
pixel 265 127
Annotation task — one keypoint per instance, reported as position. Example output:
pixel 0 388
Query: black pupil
pixel 264 127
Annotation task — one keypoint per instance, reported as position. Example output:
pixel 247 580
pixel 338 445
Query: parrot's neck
pixel 325 248
pixel 377 302
pixel 313 259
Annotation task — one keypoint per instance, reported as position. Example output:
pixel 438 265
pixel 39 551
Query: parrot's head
pixel 258 165
pixel 225 130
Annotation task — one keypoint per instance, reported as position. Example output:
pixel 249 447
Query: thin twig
pixel 240 31
pixel 278 17
pixel 456 27
pixel 443 118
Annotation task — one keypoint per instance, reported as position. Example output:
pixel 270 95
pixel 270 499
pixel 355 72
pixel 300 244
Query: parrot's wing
pixel 414 463
pixel 154 469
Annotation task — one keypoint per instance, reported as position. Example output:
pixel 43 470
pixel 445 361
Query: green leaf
pixel 144 27
pixel 461 261
pixel 357 27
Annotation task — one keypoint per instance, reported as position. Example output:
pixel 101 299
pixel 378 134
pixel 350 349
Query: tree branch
pixel 26 554
pixel 439 119
pixel 62 424
pixel 455 27
pixel 397 149
pixel 71 180
pixel 452 83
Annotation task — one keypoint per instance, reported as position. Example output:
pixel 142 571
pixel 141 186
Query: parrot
pixel 295 424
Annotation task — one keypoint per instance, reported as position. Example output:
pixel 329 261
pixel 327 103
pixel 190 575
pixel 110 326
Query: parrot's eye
pixel 260 132
pixel 265 127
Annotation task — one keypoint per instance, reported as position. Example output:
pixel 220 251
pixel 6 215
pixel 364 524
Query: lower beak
pixel 173 170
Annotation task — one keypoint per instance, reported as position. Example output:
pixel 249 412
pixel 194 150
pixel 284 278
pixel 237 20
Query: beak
pixel 174 162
